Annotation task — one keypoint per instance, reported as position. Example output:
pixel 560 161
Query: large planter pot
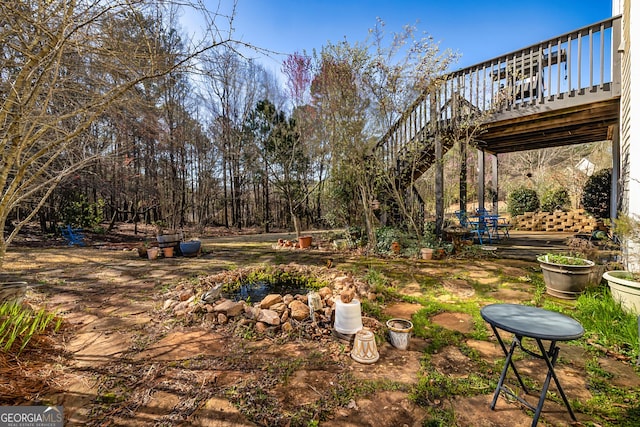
pixel 565 280
pixel 624 290
pixel 190 248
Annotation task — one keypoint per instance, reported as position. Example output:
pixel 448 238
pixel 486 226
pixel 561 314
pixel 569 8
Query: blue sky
pixel 478 30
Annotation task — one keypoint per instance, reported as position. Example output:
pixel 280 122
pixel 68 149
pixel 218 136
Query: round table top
pixel 532 322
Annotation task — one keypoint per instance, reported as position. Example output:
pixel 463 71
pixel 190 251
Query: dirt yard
pixel 123 360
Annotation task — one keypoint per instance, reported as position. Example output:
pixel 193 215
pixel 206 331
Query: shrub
pixel 596 194
pixel 79 212
pixel 522 200
pixel 553 200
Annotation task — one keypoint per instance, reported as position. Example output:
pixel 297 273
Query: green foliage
pixel 79 212
pixel 596 194
pixel 19 324
pixel 356 237
pixel 385 236
pixel 562 259
pixel 522 200
pixel 553 200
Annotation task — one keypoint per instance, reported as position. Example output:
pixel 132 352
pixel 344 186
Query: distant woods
pixel 112 113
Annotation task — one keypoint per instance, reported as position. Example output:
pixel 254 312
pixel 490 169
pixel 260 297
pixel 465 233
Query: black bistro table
pixel 537 324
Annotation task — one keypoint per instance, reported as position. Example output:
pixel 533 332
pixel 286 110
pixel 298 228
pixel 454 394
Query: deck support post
pixel 439 186
pixel 494 183
pixel 463 175
pixel 481 172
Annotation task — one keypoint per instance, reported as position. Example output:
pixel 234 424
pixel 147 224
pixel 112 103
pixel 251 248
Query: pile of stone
pixel 275 313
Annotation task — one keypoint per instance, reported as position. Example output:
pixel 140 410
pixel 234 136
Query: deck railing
pixel 575 68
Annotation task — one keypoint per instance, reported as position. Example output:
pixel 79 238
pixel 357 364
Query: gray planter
pixel 12 291
pixel 564 280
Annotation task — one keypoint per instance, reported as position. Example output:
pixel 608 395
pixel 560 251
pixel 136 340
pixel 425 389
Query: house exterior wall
pixel 630 119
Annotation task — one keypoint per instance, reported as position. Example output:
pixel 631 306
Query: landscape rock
pixel 169 304
pixel 229 308
pixel 261 328
pixel 286 327
pixel 251 312
pixel 269 317
pixel 185 295
pixel 278 307
pixel 325 292
pixel 347 295
pixel 270 300
pixel 182 306
pixel 287 299
pixel 299 310
pixel 222 319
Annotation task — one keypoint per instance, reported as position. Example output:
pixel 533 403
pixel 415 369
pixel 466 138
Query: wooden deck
pixel 527 245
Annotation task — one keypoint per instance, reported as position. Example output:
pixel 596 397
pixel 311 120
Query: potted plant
pixel 625 284
pixel 565 276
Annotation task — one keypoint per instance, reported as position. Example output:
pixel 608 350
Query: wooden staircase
pixel 564 91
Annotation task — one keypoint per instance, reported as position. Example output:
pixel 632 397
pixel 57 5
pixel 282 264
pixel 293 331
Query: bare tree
pixel 63 65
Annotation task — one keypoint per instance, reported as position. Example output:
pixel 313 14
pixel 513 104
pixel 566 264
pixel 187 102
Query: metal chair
pixel 478 228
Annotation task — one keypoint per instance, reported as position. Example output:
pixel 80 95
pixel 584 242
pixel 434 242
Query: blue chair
pixel 72 235
pixel 495 223
pixel 478 228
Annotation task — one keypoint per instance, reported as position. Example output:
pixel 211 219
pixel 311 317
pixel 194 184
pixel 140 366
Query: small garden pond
pixel 256 291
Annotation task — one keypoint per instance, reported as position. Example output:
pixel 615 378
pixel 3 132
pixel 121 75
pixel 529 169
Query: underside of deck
pixel 545 126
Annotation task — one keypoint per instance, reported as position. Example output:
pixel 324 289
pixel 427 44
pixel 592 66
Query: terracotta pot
pixel 304 242
pixel 168 252
pixel 426 253
pixel 153 253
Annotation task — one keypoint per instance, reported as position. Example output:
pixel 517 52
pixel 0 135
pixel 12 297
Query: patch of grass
pixel 440 417
pixel 604 320
pixel 540 288
pixel 611 405
pixel 435 387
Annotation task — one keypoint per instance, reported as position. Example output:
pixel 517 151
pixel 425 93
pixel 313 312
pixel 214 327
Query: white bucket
pixel 348 317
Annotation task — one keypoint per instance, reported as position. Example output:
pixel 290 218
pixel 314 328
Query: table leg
pixel 516 341
pixel 508 362
pixel 553 352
